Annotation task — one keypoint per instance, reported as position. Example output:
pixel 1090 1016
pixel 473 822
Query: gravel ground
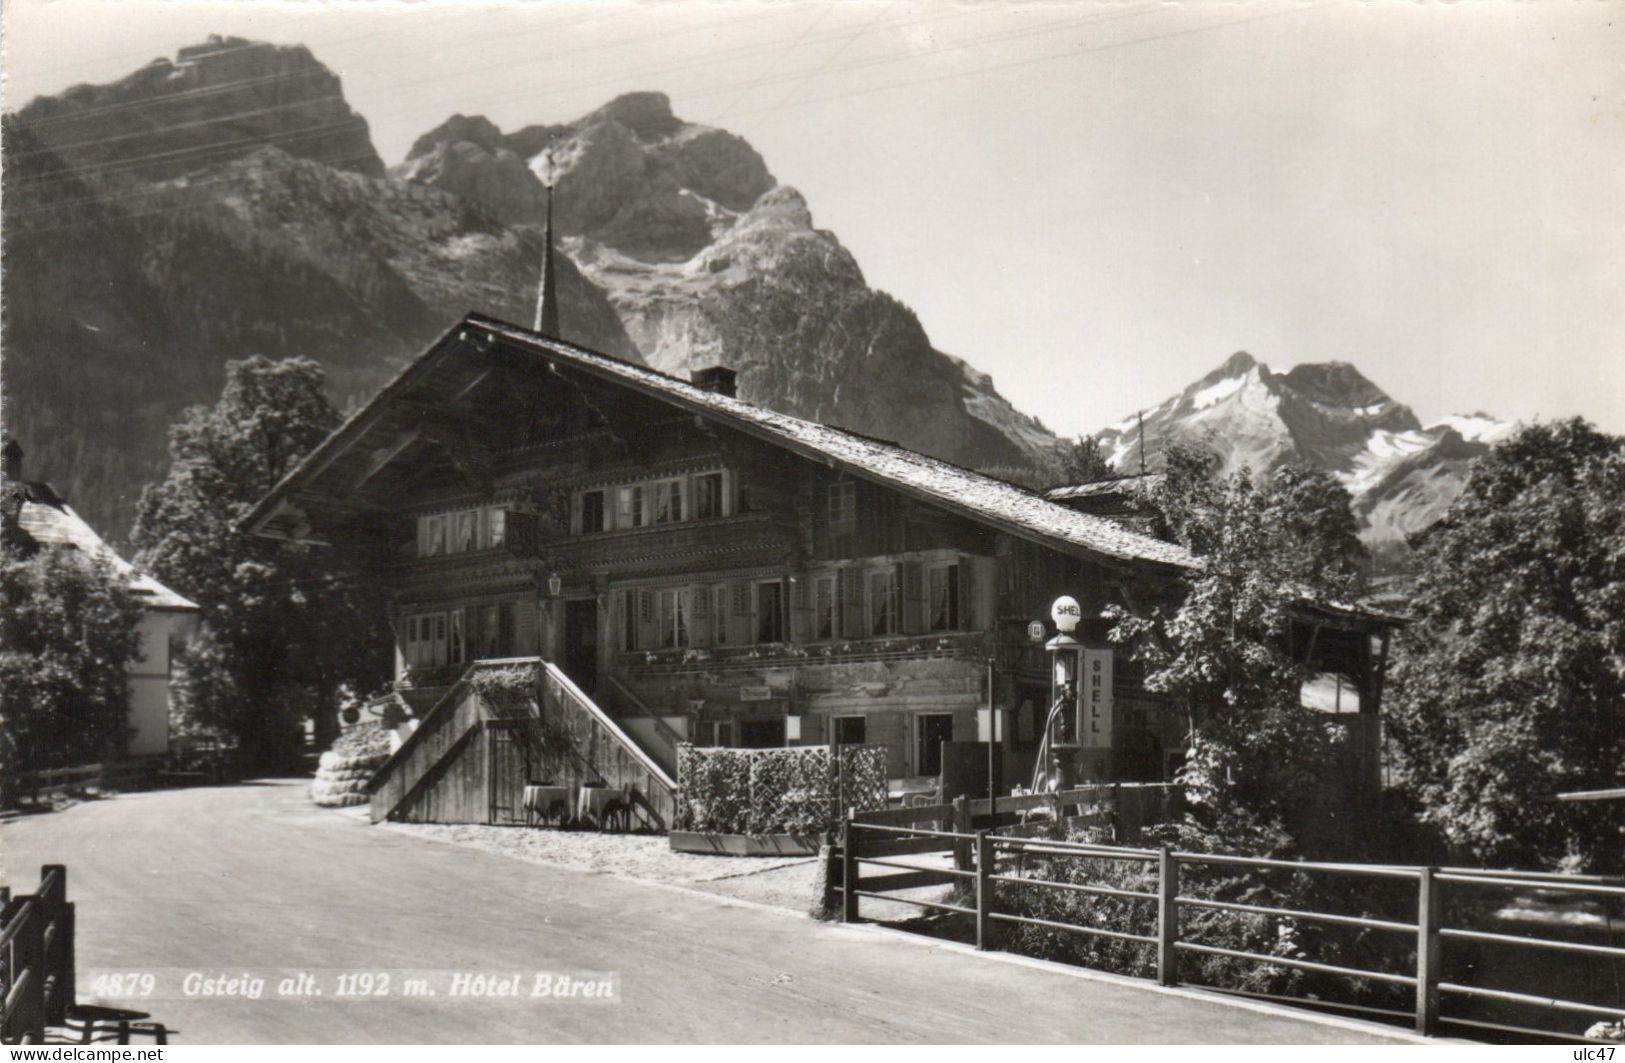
pixel 782 883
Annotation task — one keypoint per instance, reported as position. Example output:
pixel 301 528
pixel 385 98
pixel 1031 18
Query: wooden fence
pixel 122 775
pixel 36 959
pixel 873 839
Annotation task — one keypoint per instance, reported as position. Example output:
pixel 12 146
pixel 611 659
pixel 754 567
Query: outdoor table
pixel 593 801
pixel 540 800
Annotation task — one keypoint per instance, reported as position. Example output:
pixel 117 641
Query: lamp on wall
pixel 554 584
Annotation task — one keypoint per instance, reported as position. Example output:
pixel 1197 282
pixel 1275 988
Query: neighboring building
pixel 712 571
pixel 37 518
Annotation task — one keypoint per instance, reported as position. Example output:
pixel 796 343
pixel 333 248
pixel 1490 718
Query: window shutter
pixel 699 627
pixel 617 619
pixel 970 611
pixel 801 609
pixel 648 625
pixel 854 621
pixel 911 578
pixel 741 630
pixel 719 595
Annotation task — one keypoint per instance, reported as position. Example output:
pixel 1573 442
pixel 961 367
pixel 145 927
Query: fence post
pixel 849 871
pixel 962 846
pixel 984 889
pixel 65 995
pixel 56 953
pixel 34 951
pixel 1167 917
pixel 1429 913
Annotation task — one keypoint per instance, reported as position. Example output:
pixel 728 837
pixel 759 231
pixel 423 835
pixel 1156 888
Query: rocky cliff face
pixel 229 202
pixel 126 291
pixel 708 259
pixel 214 102
pixel 1402 475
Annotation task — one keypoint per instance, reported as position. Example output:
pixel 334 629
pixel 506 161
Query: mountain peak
pixel 1335 383
pixel 218 101
pixel 1237 364
pixel 475 129
pixel 1327 415
pixel 647 114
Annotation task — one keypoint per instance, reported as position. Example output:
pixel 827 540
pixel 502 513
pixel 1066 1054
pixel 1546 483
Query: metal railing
pixel 36 959
pixel 1428 933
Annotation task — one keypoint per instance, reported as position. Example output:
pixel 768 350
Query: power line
pixel 191 154
pixel 201 153
pixel 920 81
pixel 823 13
pixel 57 148
pixel 1074 53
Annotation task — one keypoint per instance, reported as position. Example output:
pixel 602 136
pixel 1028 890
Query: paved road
pixel 254 880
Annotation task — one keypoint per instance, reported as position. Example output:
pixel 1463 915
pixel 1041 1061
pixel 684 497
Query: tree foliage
pixel 68 634
pixel 1081 461
pixel 286 628
pixel 1511 683
pixel 1225 652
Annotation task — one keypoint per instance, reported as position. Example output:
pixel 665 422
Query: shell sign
pixel 1066 613
pixel 1095 700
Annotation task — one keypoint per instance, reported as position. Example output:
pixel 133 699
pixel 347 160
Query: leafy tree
pixel 1081 460
pixel 67 638
pixel 286 628
pixel 1511 683
pixel 1224 651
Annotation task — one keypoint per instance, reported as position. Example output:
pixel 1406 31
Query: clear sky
pixel 1096 202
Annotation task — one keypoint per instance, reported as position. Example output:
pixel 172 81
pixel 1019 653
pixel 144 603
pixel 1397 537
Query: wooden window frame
pixel 835 728
pixel 952 575
pixel 891 605
pixel 819 581
pixel 675 622
pixel 719 499
pixel 603 522
pixel 634 513
pixel 780 619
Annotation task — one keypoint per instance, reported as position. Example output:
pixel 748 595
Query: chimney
pixel 717 378
pixel 12 453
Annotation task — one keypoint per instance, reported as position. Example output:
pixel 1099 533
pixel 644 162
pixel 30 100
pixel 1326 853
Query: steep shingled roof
pixel 949 486
pixel 952 486
pixel 51 522
pixel 1096 488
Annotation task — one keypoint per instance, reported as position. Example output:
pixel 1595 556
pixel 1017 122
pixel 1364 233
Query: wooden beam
pixel 1593 795
pixel 383 456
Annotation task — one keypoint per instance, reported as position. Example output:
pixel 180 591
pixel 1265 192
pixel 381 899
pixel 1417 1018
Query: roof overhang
pixel 283 514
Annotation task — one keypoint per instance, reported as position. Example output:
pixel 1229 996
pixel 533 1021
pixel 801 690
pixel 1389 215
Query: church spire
pixel 547 296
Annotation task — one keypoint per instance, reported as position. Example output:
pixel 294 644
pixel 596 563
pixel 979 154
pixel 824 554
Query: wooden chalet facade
pixel 707 570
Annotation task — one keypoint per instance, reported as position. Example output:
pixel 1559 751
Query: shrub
pixel 772 791
pixel 1262 934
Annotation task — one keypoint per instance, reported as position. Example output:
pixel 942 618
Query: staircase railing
pixel 665 730
pixel 614 755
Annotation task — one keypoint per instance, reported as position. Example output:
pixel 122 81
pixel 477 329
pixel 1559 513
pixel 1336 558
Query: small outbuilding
pixel 37 518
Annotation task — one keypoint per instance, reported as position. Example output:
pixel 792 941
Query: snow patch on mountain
pixel 1478 427
pixel 1402 476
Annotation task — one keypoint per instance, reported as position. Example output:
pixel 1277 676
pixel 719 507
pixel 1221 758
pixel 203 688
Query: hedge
pixel 802 790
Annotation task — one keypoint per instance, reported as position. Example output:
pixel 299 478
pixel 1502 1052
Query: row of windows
pixel 433 640
pixel 897 599
pixel 462 531
pixel 721 614
pixel 670 500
